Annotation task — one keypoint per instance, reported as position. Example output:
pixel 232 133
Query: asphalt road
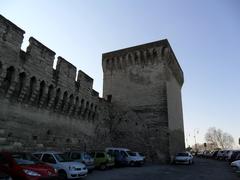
pixel 202 169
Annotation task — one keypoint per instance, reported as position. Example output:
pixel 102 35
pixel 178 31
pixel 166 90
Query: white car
pixel 140 155
pixel 183 158
pixel 132 158
pixel 66 168
pixel 236 165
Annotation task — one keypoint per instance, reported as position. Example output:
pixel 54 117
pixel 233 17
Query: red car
pixel 24 166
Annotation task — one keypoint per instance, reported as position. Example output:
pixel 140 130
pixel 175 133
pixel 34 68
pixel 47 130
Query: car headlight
pixel 51 173
pixel 55 170
pixel 72 168
pixel 31 173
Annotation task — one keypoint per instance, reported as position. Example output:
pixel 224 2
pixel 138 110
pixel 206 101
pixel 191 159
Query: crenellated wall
pixel 30 89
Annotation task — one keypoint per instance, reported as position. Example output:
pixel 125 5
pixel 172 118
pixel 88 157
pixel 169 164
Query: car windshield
pixel 182 154
pixel 62 157
pixel 25 159
pixel 131 153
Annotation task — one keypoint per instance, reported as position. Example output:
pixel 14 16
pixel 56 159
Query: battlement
pixel 37 49
pixel 66 72
pixel 10 34
pixel 85 80
pixel 29 77
pixel 40 56
pixel 142 55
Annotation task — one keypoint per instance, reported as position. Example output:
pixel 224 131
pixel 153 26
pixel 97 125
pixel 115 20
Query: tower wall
pixel 145 81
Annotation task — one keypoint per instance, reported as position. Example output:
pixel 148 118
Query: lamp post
pixel 196 131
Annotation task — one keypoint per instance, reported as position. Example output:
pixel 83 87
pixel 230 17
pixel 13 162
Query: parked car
pixel 220 155
pixel 141 155
pixel 131 157
pixel 120 158
pixel 206 153
pixel 24 166
pixel 82 157
pixel 214 154
pixel 233 156
pixel 183 158
pixel 236 165
pixel 200 153
pixel 225 154
pixel 66 168
pixel 102 160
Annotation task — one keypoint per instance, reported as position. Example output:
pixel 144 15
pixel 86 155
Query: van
pixel 127 156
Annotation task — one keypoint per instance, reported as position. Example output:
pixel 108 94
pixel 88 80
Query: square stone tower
pixel 145 83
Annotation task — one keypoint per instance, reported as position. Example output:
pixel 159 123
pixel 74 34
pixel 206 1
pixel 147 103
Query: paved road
pixel 202 169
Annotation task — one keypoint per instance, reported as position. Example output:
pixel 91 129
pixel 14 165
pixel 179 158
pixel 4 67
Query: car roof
pixel 48 152
pixel 96 151
pixel 115 148
pixel 76 151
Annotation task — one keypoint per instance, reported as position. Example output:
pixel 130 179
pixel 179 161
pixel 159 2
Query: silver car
pixel 66 168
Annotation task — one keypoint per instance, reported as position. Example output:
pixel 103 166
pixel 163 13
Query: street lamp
pixel 187 138
pixel 196 131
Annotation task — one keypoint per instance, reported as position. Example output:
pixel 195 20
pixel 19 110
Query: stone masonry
pixel 45 108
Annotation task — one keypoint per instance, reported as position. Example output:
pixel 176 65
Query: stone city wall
pixel 41 106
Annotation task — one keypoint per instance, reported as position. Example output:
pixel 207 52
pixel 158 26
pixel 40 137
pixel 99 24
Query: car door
pixel 50 160
pixel 100 158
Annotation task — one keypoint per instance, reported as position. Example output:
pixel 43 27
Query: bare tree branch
pixel 219 139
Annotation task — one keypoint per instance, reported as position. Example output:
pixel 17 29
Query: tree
pixel 219 139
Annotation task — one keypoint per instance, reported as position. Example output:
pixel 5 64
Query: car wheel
pixel 132 163
pixel 62 174
pixel 103 166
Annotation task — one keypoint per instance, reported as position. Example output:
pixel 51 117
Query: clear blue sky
pixel 205 36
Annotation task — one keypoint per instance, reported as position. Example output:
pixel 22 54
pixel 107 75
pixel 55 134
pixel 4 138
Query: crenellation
pixel 66 73
pixel 86 82
pixel 10 35
pixel 37 50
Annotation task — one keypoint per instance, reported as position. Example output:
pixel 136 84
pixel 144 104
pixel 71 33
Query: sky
pixel 204 35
